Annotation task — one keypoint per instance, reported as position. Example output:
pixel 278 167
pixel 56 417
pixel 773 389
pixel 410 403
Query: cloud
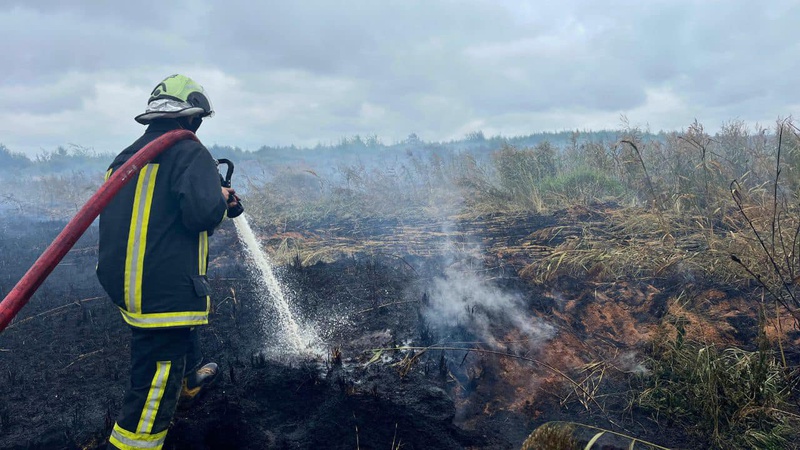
pixel 92 118
pixel 63 94
pixel 303 73
pixel 40 47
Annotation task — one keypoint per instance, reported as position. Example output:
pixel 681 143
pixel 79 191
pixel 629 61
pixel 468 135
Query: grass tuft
pixel 730 397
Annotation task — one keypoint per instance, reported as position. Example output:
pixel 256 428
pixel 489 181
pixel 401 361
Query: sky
pixel 316 71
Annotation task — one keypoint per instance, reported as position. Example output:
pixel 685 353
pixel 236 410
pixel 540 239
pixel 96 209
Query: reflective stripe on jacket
pixel 153 251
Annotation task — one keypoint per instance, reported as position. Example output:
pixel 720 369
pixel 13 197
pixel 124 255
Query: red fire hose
pixel 25 288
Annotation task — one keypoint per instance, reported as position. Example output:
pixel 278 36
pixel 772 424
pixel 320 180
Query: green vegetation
pixel 10 161
pixel 736 399
pixel 680 172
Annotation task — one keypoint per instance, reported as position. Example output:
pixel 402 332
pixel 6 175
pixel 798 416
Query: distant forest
pixel 367 151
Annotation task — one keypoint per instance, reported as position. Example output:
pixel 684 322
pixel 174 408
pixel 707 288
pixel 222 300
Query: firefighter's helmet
pixel 177 96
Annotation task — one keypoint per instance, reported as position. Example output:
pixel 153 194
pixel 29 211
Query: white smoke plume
pixel 462 299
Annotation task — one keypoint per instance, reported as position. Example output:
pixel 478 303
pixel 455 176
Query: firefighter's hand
pixel 235 208
pixel 229 194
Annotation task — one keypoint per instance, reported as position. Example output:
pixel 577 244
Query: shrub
pixel 582 186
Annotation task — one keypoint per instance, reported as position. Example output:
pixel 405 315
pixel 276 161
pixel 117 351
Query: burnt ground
pixel 64 360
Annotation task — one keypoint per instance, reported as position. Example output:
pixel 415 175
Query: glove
pixel 236 210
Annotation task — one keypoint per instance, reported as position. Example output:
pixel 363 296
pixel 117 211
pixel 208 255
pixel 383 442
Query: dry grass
pixel 564 436
pixel 734 399
pixel 630 243
pixel 553 437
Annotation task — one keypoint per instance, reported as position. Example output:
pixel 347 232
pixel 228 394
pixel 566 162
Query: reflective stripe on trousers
pixel 159 359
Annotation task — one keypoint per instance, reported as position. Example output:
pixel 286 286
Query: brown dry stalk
pixel 49 311
pixel 385 305
pixel 84 356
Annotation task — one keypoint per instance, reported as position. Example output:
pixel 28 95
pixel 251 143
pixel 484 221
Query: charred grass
pixel 672 292
pixel 662 213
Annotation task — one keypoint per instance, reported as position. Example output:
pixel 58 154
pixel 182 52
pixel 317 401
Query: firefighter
pixel 153 258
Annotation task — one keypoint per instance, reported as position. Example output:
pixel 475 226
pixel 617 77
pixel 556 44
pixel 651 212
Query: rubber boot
pixel 198 382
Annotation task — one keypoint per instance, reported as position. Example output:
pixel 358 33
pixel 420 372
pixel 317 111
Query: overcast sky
pixel 308 72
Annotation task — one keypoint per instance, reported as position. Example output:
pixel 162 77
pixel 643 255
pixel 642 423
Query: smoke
pixel 463 302
pixel 630 362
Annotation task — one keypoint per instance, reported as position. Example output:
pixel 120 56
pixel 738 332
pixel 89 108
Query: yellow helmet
pixel 176 96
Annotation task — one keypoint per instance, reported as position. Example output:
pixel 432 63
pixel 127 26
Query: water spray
pixel 294 338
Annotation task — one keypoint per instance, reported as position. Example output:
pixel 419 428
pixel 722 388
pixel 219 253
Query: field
pixel 629 287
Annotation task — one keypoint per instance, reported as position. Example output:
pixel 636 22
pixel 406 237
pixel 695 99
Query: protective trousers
pixel 160 358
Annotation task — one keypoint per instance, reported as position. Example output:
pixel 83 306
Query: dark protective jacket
pixel 153 251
